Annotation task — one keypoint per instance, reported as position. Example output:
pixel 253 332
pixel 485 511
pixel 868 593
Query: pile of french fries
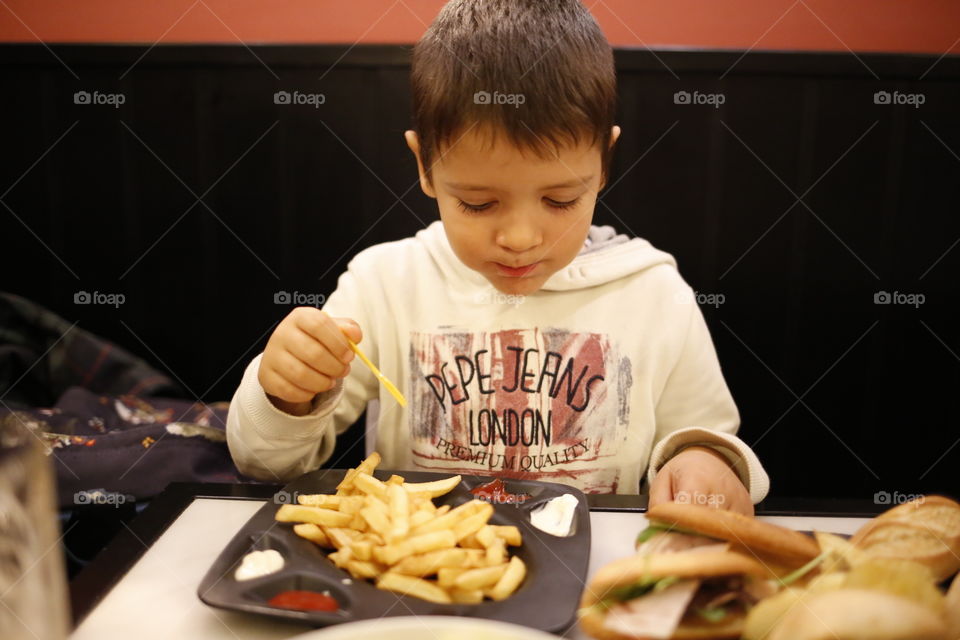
pixel 392 533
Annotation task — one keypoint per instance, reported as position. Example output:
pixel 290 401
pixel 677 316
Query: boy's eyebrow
pixel 575 182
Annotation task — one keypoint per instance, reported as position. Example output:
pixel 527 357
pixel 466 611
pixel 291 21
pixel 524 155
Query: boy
pixel 527 342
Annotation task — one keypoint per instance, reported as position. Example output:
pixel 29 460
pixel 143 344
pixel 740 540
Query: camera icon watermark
pixel 909 299
pixel 102 497
pixel 485 97
pixel 299 299
pixel 286 497
pixel 703 299
pixel 110 299
pixel 712 99
pixel 297 97
pixel 702 499
pixel 895 498
pixel 911 99
pixel 496 297
pixel 96 98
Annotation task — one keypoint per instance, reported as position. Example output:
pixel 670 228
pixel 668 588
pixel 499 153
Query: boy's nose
pixel 519 235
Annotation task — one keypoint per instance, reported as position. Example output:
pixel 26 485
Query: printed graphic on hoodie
pixel 540 404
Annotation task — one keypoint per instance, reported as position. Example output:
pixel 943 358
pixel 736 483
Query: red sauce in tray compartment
pixel 303 601
pixel 495 493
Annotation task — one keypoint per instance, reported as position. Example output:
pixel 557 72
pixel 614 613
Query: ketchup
pixel 495 493
pixel 303 601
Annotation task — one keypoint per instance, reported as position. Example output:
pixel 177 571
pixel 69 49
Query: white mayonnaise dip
pixel 555 516
pixel 259 563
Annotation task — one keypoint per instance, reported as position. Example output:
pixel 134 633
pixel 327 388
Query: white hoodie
pixel 607 370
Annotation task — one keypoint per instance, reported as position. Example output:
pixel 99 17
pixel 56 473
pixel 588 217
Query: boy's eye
pixel 563 205
pixel 473 208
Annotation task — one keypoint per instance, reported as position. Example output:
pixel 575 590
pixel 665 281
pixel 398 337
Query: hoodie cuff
pixel 741 457
pixel 273 424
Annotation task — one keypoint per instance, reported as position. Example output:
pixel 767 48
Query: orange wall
pixel 927 26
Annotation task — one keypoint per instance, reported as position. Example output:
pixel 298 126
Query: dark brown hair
pixel 539 72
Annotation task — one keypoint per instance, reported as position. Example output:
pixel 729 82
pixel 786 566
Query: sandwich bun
pixel 859 614
pixel 780 548
pixel 926 530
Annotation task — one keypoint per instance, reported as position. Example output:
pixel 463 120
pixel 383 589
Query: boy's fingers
pixel 303 375
pixel 314 354
pixel 325 330
pixel 281 388
pixel 661 490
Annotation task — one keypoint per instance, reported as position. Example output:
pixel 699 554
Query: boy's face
pixel 515 218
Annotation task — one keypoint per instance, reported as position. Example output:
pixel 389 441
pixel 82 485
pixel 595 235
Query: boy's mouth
pixel 516 272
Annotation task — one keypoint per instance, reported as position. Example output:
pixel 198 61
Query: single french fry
pixel 367 466
pixel 496 552
pixel 485 536
pixel 452 517
pixel 341 557
pixel 362 549
pixel 350 504
pixel 313 515
pixel 463 596
pixel 472 524
pixel 399 516
pixel 313 533
pixel 377 519
pixel 408 585
pixel 420 518
pixel 509 533
pixel 435 488
pixel 361 569
pixel 370 485
pixel 480 578
pixel 447 576
pixel 428 564
pixel 510 580
pixel 393 553
pixel 341 537
pixel 443 509
pixel 395 479
pixel 324 500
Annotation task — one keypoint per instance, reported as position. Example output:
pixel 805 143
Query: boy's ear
pixel 414 143
pixel 614 136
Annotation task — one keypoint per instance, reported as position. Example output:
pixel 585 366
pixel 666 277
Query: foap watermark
pixel 300 299
pixel 485 97
pixel 712 99
pixel 703 299
pixel 703 499
pixel 897 297
pixel 97 98
pixel 885 497
pixel 97 297
pixel 297 97
pixel 497 297
pixel 897 97
pixel 102 496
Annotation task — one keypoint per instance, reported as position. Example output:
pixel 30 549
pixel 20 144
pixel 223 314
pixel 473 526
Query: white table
pixel 157 598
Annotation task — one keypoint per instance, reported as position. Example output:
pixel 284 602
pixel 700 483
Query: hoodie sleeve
pixel 269 444
pixel 696 408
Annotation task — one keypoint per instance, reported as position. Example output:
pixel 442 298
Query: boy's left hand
pixel 700 475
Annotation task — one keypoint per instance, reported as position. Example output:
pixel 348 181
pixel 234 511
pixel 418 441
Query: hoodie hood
pixel 606 256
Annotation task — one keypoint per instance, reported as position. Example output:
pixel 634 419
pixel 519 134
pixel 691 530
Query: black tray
pixel 547 599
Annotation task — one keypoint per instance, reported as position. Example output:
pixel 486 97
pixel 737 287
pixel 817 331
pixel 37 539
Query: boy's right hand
pixel 305 356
